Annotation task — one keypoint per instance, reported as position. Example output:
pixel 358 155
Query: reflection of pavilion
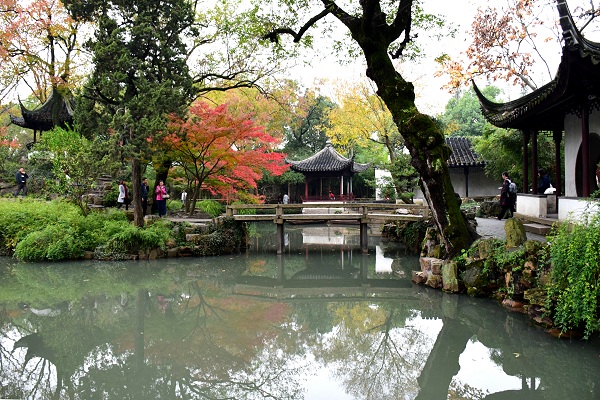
pixel 330 235
pixel 346 239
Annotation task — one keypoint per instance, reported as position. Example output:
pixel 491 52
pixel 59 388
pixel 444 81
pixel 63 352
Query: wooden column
pixel 306 187
pixel 557 136
pixel 364 238
pixel 280 237
pixel 280 231
pixel 585 151
pixel 534 161
pixel 525 161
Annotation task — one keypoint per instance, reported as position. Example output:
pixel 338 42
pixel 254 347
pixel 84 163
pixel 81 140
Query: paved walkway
pixel 492 227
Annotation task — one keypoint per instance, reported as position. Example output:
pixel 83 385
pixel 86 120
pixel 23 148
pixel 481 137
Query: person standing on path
pixel 21 178
pixel 161 199
pixel 506 200
pixel 123 196
pixel 286 198
pixel 144 188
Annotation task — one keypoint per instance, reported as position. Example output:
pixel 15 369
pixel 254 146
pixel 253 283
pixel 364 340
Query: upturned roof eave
pixel 544 108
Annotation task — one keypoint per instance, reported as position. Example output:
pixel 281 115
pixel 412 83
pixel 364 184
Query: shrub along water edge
pixel 36 230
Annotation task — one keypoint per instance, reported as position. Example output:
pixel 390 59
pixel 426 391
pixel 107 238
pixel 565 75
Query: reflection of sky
pixel 382 264
pixel 12 367
pixel 321 384
pixel 478 370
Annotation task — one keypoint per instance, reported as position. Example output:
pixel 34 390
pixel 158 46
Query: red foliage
pixel 5 141
pixel 222 152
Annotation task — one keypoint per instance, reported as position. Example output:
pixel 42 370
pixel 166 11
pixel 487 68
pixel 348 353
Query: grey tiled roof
pixel 41 119
pixel 327 160
pixel 462 153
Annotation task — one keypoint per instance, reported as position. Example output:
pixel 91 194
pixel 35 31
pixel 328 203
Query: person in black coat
pixel 544 182
pixel 144 195
pixel 506 200
pixel 21 178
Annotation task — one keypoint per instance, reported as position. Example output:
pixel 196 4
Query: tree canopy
pixel 462 116
pixel 39 47
pixel 221 152
pixel 384 31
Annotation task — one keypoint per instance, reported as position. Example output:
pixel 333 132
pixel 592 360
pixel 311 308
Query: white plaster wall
pixel 532 205
pixel 576 210
pixel 479 185
pixel 572 144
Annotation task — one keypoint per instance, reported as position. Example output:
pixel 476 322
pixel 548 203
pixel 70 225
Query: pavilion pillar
pixel 585 150
pixel 280 237
pixel 306 187
pixel 364 229
pixel 534 161
pixel 350 191
pixel 525 161
pixel 341 186
pixel 557 136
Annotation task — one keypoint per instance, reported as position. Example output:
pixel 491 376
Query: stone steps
pixel 539 229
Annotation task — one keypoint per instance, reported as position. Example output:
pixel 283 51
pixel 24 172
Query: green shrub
pixel 174 205
pixel 211 207
pixel 123 237
pixel 110 197
pixel 574 292
pixel 56 230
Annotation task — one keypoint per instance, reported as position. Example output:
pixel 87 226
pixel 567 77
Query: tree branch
pixel 402 23
pixel 273 36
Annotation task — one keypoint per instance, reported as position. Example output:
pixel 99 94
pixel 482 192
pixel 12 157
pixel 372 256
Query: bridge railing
pixel 346 208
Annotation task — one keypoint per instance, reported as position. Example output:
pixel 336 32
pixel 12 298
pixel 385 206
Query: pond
pixel 321 321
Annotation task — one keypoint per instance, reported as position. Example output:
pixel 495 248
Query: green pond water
pixel 321 321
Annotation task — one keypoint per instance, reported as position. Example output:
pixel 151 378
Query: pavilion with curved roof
pixel 56 111
pixel 568 106
pixel 327 171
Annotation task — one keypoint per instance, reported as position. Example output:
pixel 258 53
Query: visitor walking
pixel 123 196
pixel 507 200
pixel 286 198
pixel 21 178
pixel 161 199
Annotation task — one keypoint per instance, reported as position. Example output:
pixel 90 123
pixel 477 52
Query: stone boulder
pixel 515 233
pixel 489 208
pixel 449 277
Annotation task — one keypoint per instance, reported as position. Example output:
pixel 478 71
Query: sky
pixel 431 98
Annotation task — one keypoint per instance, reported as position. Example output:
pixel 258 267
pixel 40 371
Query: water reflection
pixel 311 324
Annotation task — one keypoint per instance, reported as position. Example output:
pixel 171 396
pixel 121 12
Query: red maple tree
pixel 222 152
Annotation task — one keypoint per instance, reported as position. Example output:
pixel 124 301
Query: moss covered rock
pixel 515 232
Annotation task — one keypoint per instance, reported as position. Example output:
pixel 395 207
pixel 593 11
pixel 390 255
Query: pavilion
pixel 568 105
pixel 56 111
pixel 327 171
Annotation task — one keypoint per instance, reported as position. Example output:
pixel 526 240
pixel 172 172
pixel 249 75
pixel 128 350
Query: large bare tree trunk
pixel 374 31
pixel 422 136
pixel 136 192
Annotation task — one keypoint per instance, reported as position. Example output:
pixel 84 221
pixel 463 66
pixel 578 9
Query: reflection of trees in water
pixel 190 341
pixel 196 339
pixel 373 353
